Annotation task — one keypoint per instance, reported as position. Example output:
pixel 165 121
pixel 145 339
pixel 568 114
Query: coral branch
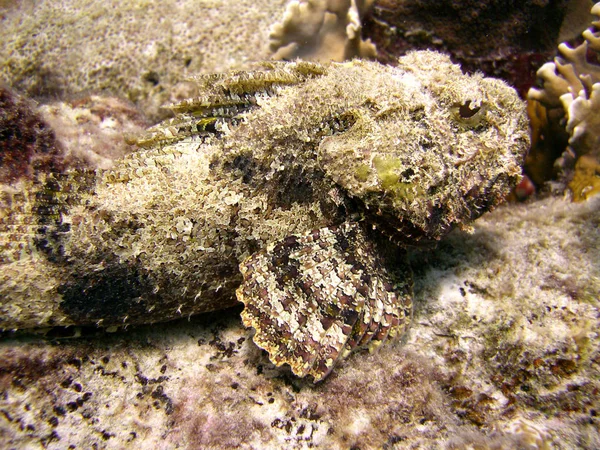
pixel 321 30
pixel 573 83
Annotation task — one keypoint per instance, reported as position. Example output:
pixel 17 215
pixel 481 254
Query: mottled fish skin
pixel 409 152
pixel 312 299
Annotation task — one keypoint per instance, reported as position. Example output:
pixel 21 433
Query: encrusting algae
pixel 310 178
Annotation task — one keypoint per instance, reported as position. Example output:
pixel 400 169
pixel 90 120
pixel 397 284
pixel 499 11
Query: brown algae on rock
pixel 370 156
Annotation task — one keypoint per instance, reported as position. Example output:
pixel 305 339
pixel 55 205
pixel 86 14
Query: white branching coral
pixel 572 83
pixel 583 112
pixel 321 30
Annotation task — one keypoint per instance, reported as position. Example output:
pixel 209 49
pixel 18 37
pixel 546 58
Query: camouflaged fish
pixel 293 188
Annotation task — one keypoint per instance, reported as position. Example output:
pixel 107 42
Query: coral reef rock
pixel 507 40
pixel 27 143
pixel 503 353
pixel 312 177
pixel 86 133
pixel 93 129
pixel 138 50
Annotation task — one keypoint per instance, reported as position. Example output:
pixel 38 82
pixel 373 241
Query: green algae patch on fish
pixel 390 173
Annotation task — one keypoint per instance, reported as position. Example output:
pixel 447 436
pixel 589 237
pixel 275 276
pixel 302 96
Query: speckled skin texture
pixel 408 153
pixel 315 298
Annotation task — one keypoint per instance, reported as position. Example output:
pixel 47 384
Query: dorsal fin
pixel 224 98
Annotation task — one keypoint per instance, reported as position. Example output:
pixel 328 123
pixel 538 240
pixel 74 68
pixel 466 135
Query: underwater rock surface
pixel 507 40
pixel 503 353
pixel 139 50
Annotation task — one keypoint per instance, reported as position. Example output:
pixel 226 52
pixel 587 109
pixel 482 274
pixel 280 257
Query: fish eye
pixel 466 112
pixel 469 113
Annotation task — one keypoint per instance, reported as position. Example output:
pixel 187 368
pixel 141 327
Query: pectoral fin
pixel 314 298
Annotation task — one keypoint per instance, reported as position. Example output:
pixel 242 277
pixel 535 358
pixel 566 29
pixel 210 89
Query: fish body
pixel 309 178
